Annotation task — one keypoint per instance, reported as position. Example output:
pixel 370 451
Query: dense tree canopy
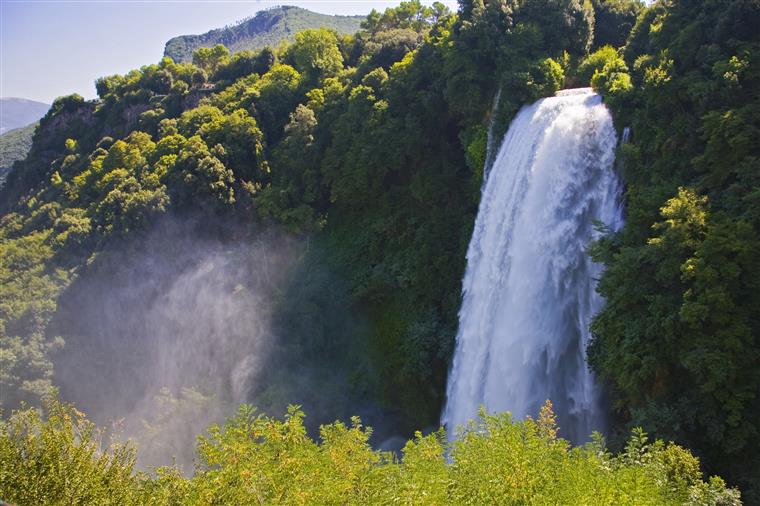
pixel 679 336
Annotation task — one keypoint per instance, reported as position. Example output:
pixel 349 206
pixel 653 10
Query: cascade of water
pixel 626 135
pixel 529 287
pixel 490 137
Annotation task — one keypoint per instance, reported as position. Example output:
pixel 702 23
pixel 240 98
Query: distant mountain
pixel 15 145
pixel 19 112
pixel 266 28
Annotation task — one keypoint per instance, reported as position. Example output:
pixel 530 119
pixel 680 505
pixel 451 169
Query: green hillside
pixel 14 145
pixel 267 28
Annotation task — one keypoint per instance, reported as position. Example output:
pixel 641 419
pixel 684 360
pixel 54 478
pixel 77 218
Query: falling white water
pixel 626 135
pixel 529 288
pixel 490 137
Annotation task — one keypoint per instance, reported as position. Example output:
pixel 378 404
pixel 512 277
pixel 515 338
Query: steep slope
pixel 266 28
pixel 18 112
pixel 14 145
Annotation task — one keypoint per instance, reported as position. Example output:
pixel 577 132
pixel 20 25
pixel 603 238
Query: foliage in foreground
pixel 256 459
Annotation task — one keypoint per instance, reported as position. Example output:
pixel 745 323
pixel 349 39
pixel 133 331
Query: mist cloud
pixel 169 335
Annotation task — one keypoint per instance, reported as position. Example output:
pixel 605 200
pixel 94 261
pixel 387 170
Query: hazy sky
pixel 50 48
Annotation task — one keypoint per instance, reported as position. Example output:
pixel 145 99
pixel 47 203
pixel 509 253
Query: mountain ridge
pixel 265 28
pixel 16 112
pixel 15 145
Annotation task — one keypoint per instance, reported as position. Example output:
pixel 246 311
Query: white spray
pixel 529 288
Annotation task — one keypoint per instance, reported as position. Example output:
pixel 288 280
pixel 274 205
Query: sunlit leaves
pixel 254 459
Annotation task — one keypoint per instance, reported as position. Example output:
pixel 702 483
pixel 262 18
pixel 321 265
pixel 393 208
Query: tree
pixel 566 25
pixel 385 48
pixel 199 178
pixel 199 77
pixel 278 94
pixel 211 58
pixel 106 85
pixel 265 60
pixel 243 144
pixel 409 15
pixel 596 62
pixel 293 197
pixel 614 20
pixel 316 54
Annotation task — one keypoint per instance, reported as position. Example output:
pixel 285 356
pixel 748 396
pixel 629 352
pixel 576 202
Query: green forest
pixel 361 157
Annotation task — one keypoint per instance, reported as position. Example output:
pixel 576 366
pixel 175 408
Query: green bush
pixel 256 459
pixel 59 457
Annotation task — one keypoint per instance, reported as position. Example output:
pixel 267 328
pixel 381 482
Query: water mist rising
pixel 529 288
pixel 171 333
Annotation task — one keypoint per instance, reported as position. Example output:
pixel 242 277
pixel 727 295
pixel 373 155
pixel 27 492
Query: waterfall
pixel 529 287
pixel 490 136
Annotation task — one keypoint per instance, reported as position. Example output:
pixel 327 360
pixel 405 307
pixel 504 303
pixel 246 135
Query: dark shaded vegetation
pixel 614 20
pixel 370 148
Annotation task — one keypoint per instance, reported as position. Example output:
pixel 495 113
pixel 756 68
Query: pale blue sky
pixel 51 48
